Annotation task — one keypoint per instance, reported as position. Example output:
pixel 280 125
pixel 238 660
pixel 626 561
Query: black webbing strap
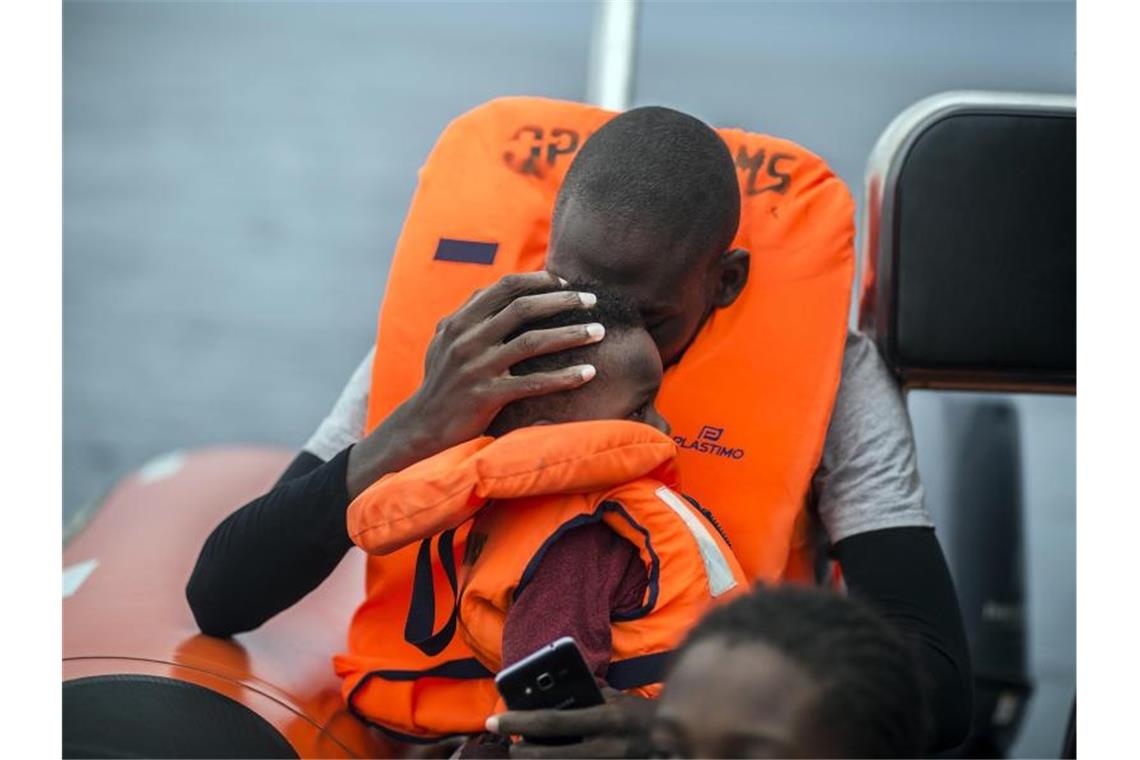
pixel 418 630
pixel 638 671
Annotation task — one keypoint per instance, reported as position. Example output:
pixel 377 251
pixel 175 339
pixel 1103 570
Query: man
pixel 675 266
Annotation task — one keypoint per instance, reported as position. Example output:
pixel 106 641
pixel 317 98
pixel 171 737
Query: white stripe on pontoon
pixel 161 467
pixel 74 576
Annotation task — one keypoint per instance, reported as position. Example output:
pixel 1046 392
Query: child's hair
pixel 659 171
pixel 612 311
pixel 870 698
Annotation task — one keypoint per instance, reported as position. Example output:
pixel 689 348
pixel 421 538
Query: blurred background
pixel 235 177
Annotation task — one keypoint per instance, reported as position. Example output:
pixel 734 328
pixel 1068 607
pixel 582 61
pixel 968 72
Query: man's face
pixel 673 294
pixel 750 701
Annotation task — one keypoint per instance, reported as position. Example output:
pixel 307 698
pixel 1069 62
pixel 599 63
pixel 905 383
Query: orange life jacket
pixel 525 490
pixel 749 402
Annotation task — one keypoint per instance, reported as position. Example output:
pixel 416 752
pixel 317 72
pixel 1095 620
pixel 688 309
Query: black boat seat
pixel 970 243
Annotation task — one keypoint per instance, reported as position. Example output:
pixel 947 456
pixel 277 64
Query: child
pixel 578 530
pixel 791 672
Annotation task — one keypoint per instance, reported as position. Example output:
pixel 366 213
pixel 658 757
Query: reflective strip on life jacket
pixel 716 564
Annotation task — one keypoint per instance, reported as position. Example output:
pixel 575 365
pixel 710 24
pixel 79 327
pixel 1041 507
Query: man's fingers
pixel 493 299
pixel 524 309
pixel 586 721
pixel 605 746
pixel 510 388
pixel 538 342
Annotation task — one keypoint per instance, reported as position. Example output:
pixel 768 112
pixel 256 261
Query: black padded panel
pixel 147 716
pixel 983 250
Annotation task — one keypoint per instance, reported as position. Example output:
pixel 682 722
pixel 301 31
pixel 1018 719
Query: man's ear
pixel 731 275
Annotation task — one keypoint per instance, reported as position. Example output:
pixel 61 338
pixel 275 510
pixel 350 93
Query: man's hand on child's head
pixel 619 728
pixel 466 373
pixel 467 378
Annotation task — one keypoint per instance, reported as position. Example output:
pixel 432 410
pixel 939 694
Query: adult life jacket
pixel 524 491
pixel 749 402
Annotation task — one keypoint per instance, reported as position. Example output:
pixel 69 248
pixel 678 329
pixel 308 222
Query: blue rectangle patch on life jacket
pixel 466 251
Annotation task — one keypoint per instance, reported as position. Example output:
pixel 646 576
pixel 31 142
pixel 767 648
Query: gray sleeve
pixel 868 477
pixel 344 425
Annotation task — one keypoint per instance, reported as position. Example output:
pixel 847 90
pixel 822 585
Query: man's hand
pixel 466 378
pixel 619 728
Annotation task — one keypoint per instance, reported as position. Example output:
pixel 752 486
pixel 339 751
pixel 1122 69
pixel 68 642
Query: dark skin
pixel 466 378
pixel 629 376
pixel 750 701
pixel 675 290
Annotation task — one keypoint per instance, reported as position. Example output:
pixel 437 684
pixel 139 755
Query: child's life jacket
pixel 749 402
pixel 525 490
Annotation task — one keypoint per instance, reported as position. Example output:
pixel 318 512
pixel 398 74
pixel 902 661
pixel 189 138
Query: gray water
pixel 235 176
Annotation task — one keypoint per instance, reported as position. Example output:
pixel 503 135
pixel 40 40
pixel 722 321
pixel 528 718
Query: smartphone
pixel 555 677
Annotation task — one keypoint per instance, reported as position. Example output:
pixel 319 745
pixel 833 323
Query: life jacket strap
pixel 419 628
pixel 634 672
pixel 463 670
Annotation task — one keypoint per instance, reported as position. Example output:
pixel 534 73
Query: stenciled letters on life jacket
pixel 752 165
pixel 524 152
pixel 533 148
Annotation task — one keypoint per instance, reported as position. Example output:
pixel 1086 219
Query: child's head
pixel 628 371
pixel 791 672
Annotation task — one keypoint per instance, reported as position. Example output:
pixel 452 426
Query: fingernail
pixel 588 371
pixel 596 331
pixel 492 724
pixel 588 299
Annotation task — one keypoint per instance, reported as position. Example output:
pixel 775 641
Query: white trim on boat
pixel 76 575
pixel 161 467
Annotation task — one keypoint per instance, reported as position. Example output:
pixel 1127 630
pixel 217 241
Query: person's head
pixel 650 205
pixel 791 672
pixel 627 363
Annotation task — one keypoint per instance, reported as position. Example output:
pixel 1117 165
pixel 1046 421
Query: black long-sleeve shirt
pixel 239 580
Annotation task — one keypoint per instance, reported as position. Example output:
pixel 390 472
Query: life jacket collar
pixel 576 457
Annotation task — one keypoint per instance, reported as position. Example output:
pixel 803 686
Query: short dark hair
pixel 614 313
pixel 662 172
pixel 871 698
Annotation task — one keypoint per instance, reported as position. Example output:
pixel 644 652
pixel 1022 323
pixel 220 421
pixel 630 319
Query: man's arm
pixel 871 502
pixel 240 580
pixel 921 602
pixel 301 517
pixel 279 547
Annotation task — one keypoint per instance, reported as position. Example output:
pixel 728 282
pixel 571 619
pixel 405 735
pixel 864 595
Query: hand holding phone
pixel 555 677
